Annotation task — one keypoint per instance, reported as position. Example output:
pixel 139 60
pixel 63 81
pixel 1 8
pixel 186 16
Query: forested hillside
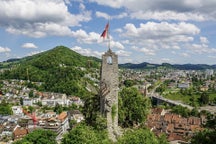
pixel 59 69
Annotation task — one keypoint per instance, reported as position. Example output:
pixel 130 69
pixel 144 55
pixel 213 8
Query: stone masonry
pixel 109 92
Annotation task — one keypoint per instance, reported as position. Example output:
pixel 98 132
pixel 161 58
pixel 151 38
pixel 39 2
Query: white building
pixel 17 110
pixel 27 102
pixel 54 99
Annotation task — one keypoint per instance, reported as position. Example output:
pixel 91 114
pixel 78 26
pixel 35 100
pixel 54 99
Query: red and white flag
pixel 105 33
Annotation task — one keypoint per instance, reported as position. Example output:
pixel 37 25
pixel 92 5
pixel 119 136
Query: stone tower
pixel 109 92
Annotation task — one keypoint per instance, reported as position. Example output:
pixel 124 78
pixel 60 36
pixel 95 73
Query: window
pixel 109 60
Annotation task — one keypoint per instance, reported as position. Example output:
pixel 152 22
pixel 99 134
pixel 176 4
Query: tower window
pixel 109 60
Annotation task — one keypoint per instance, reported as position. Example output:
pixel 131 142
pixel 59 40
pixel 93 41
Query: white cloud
pixel 107 16
pixel 121 15
pixel 165 60
pixel 146 51
pixel 39 18
pixel 200 49
pixel 123 53
pixel 125 60
pixel 4 49
pixel 185 55
pixel 34 53
pixel 82 6
pixel 102 15
pixel 88 38
pixel 197 10
pixel 203 40
pixel 111 3
pixel 86 52
pixel 119 30
pixel 38 30
pixel 92 38
pixel 151 30
pixel 118 45
pixel 29 45
pixel 163 35
pixel 168 15
pixel 67 2
pixel 211 56
pixel 173 52
pixel 176 47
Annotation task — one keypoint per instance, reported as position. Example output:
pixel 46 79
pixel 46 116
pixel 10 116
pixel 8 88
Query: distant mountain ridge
pixel 64 55
pixel 146 65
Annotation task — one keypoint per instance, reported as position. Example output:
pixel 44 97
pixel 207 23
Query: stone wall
pixel 109 92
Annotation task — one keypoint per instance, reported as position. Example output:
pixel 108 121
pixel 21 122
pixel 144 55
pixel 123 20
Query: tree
pixel 133 107
pixel 21 101
pixel 100 122
pixel 91 109
pixel 162 139
pixel 204 98
pixel 58 108
pixel 204 137
pixel 129 83
pixel 214 101
pixel 31 94
pixel 39 103
pixel 31 109
pixel 1 84
pixel 140 136
pixel 83 134
pixel 5 108
pixel 195 112
pixel 39 136
pixel 211 122
pixel 183 111
pixel 192 100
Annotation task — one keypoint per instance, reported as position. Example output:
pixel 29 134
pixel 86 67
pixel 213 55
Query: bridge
pixel 159 100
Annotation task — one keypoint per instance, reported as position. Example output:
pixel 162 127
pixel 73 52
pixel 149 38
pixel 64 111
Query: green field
pixel 187 99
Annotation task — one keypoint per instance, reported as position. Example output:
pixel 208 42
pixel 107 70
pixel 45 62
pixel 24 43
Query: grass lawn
pixel 187 99
pixel 212 96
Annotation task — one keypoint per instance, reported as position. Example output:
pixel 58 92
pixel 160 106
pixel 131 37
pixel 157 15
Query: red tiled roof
pixel 168 117
pixel 153 117
pixel 157 111
pixel 170 128
pixel 194 121
pixel 62 116
pixel 20 132
pixel 174 136
pixel 195 128
pixel 183 121
pixel 173 124
pixel 175 118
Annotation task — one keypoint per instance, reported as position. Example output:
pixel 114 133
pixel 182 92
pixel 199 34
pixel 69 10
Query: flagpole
pixel 109 36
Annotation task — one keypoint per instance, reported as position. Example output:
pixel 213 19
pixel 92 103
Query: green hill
pixel 59 56
pixel 60 69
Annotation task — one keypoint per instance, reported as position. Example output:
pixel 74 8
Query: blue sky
pixel 155 31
